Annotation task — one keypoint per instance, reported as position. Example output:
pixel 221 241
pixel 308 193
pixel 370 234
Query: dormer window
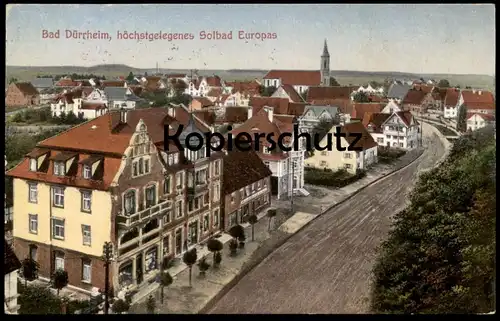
pixel 87 171
pixel 59 169
pixel 33 164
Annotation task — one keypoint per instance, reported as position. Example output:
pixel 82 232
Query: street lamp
pixel 107 257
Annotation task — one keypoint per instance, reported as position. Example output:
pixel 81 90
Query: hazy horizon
pixel 416 39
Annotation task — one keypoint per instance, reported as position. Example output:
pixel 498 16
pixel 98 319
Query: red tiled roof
pixel 345 105
pixel 176 76
pixel 66 83
pixel 359 109
pixel 366 141
pixel 292 93
pixel 26 88
pixel 296 77
pixel 204 101
pixel 425 88
pixel 332 92
pixel 405 116
pixel 112 83
pixel 222 99
pixel 377 99
pixel 215 92
pixel 242 168
pixel 213 81
pixel 478 99
pixel 414 97
pixel 452 96
pixel 236 115
pixel 245 87
pixel 375 121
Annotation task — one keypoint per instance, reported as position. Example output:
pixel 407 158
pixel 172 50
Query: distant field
pixel 344 77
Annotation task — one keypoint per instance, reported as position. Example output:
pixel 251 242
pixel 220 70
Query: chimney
pixel 123 116
pixel 473 91
pixel 479 92
pixel 250 112
pixel 269 111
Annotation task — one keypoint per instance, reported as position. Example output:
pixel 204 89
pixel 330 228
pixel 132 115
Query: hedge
pixel 333 179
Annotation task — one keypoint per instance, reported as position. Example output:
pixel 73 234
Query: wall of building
pixel 99 219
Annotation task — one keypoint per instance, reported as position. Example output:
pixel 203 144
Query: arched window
pixel 129 202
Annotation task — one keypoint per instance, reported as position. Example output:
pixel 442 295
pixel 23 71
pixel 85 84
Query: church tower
pixel 325 66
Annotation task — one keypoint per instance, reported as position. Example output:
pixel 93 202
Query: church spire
pixel 325 49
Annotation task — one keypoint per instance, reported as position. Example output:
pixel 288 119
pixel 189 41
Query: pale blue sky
pixel 457 39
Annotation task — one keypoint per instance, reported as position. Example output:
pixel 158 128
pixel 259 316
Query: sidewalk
pixel 180 298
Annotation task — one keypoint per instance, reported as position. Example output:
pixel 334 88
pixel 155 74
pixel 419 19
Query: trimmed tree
pixel 29 270
pixel 444 83
pixel 120 306
pixel 151 304
pixel 203 266
pixel 233 247
pixel 361 97
pixel 165 280
pixel 253 220
pixel 236 231
pixel 214 246
pixel 189 259
pixel 60 279
pixel 270 213
pixel 462 119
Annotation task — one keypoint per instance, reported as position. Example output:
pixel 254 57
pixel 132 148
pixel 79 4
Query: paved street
pixel 326 267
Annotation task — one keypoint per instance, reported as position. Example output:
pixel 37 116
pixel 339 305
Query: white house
pixel 351 161
pixel 451 103
pixel 391 107
pixel 201 86
pixel 287 167
pixel 68 101
pixel 288 92
pixel 479 120
pixel 399 129
pixel 11 267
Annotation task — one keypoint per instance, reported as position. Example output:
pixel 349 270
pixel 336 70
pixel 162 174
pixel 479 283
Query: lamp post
pixel 107 256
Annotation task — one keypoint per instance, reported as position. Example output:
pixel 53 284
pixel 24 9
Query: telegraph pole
pixel 108 254
pixel 293 180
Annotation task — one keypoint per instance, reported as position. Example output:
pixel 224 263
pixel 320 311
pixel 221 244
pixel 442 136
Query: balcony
pixel 144 215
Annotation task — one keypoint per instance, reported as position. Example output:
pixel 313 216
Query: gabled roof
pixel 66 82
pixel 405 116
pixel 332 92
pixel 119 93
pixel 296 77
pixel 213 81
pixel 318 110
pixel 214 92
pixel 10 261
pixel 425 88
pixel 204 101
pixel 26 88
pixel 478 99
pixel 452 96
pixel 359 109
pixel 242 168
pixel 414 97
pixel 292 93
pixel 398 91
pixel 366 141
pixel 344 105
pixel 375 120
pixel 245 87
pixel 112 83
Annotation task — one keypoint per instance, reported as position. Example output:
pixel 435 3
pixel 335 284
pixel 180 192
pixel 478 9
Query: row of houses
pixel 111 180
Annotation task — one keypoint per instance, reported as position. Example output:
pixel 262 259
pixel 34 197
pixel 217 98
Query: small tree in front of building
pixel 271 213
pixel 214 246
pixel 165 280
pixel 190 258
pixel 253 220
pixel 462 119
pixel 151 304
pixel 29 270
pixel 60 279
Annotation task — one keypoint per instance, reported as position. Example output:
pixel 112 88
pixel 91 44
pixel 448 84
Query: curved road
pixel 326 267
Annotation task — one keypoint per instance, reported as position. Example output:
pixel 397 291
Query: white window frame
pixel 179 214
pixel 87 171
pixel 33 220
pixel 33 193
pixel 33 164
pixel 168 240
pixel 86 199
pixel 59 262
pixel 59 168
pixel 216 197
pixel 54 222
pixel 86 235
pixel 86 266
pixel 58 194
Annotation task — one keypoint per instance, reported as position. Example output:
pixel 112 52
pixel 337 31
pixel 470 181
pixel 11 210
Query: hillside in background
pixel 344 77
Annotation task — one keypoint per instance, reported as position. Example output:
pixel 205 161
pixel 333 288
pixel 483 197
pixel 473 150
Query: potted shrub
pixel 214 246
pixel 241 239
pixel 203 266
pixel 189 259
pixel 217 259
pixel 233 247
